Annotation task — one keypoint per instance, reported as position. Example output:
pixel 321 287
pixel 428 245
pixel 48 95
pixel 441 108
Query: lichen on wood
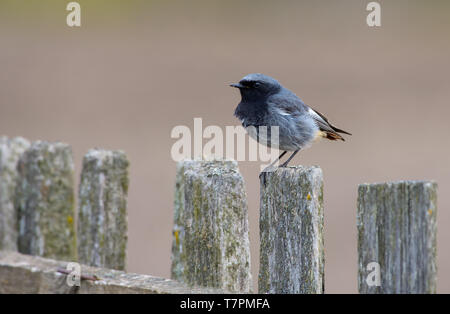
pixel 397 229
pixel 32 274
pixel 10 152
pixel 210 235
pixel 44 201
pixel 291 231
pixel 102 209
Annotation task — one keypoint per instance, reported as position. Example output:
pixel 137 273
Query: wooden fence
pixel 396 225
pixel 37 204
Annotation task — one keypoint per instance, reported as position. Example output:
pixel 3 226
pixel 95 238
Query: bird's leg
pixel 289 159
pixel 278 159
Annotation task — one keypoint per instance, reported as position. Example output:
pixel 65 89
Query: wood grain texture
pixel 397 229
pixel 44 201
pixel 102 209
pixel 32 274
pixel 210 235
pixel 291 231
pixel 10 152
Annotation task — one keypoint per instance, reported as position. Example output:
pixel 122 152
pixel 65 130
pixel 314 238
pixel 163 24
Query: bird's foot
pixel 268 169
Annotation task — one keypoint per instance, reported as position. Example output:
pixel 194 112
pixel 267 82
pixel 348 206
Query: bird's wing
pixel 330 131
pixel 288 104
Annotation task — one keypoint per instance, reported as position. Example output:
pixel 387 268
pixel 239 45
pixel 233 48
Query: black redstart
pixel 265 102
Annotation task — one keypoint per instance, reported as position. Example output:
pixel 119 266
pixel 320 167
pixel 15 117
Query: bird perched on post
pixel 265 102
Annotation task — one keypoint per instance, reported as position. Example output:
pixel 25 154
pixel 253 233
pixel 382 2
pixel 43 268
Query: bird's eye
pixel 256 84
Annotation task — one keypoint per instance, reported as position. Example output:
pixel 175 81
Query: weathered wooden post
pixel 10 152
pixel 291 231
pixel 210 235
pixel 44 201
pixel 397 237
pixel 102 209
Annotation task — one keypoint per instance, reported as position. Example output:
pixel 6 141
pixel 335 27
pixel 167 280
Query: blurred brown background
pixel 136 69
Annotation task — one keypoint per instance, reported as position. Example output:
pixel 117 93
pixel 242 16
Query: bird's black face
pixel 256 89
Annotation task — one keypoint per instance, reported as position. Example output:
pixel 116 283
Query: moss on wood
pixel 102 209
pixel 397 229
pixel 44 201
pixel 211 244
pixel 291 231
pixel 10 152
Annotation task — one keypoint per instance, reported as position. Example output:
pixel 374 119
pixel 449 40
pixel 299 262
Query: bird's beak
pixel 237 85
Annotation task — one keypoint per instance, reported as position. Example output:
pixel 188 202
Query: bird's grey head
pixel 257 86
